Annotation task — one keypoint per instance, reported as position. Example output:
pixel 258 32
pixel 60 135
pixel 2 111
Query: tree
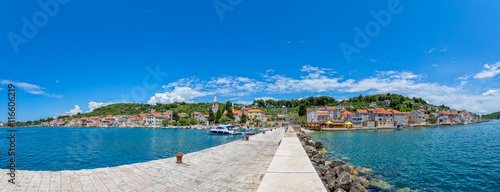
pixel 175 116
pixel 211 116
pixel 224 119
pixel 431 120
pixel 230 114
pixel 228 105
pixel 302 110
pixel 218 115
pixel 243 118
pixel 192 121
pixel 165 122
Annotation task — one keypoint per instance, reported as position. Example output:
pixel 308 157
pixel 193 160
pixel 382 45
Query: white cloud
pixel 94 105
pixel 443 50
pixel 74 111
pixel 490 70
pixel 492 92
pixel 321 80
pixel 179 94
pixel 464 80
pixel 57 81
pixel 265 98
pixel 30 88
pixel 435 65
pixel 430 51
pixel 373 60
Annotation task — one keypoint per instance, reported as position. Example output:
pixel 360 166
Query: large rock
pixel 318 145
pixel 357 188
pixel 321 169
pixel 336 163
pixel 311 151
pixel 339 190
pixel 343 181
pixel 342 168
pixel 317 158
pixel 310 142
pixel 329 178
pixel 360 180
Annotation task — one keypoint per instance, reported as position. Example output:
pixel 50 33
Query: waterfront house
pixel 398 117
pixel 363 114
pixel 453 111
pixel 2 124
pixel 417 117
pixel 333 112
pixel 373 104
pixel 183 115
pixel 255 114
pixel 344 105
pixel 444 117
pixel 155 119
pixel 387 102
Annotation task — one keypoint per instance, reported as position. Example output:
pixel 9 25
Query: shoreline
pixel 387 128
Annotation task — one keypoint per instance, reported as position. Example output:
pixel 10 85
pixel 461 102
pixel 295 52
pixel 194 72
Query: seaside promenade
pixel 235 166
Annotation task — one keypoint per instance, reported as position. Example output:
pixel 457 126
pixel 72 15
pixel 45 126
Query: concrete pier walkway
pixel 291 169
pixel 235 166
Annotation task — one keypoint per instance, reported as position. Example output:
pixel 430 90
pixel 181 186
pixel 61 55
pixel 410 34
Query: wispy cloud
pixel 492 92
pixel 30 88
pixel 490 70
pixel 443 50
pixel 431 50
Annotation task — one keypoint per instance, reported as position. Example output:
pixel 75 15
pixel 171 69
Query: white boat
pixel 399 127
pixel 222 129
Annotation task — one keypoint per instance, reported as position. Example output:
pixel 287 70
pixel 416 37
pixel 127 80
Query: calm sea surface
pixel 455 158
pixel 75 148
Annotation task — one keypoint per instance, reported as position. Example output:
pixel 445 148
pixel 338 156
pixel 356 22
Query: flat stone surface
pixel 235 166
pixel 291 169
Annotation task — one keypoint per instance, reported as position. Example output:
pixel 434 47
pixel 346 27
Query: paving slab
pixel 291 169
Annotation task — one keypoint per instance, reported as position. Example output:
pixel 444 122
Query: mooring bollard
pixel 179 158
pixel 246 137
pixel 263 132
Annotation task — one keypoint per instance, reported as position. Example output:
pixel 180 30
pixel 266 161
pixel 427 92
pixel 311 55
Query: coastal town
pixel 320 118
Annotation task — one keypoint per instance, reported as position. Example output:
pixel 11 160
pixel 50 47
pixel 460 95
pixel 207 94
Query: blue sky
pixel 86 54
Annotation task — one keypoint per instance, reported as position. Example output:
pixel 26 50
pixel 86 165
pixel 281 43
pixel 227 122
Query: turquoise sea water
pixel 453 158
pixel 75 148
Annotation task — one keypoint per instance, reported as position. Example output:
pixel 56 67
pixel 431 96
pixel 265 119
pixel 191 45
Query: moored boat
pixel 222 129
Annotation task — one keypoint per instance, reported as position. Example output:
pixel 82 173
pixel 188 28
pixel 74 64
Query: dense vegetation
pixel 495 115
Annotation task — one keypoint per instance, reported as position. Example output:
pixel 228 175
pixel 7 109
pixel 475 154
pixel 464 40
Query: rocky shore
pixel 338 176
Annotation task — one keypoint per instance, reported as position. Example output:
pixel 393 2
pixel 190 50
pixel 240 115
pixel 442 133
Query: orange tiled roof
pixel 255 110
pixel 362 111
pixel 331 107
pixel 322 114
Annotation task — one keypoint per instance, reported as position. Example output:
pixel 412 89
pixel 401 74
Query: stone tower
pixel 215 105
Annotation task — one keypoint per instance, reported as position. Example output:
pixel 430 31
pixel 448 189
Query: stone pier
pixel 291 169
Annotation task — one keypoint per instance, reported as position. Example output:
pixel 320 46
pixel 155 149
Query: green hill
pixel 495 115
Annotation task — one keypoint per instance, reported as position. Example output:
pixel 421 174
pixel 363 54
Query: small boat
pixel 399 127
pixel 222 129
